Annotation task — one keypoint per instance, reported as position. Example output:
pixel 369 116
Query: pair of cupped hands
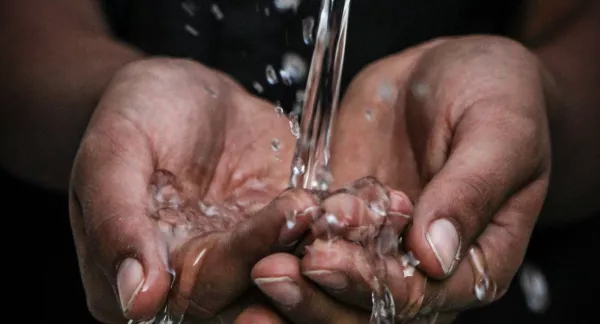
pixel 177 196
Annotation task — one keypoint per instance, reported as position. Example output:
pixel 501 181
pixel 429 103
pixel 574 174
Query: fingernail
pixel 130 279
pixel 445 243
pixel 281 289
pixel 330 279
pixel 397 201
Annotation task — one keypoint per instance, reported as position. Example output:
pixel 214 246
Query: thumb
pixel 488 163
pixel 118 243
pixel 219 266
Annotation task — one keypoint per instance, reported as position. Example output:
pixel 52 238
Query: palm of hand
pixel 198 155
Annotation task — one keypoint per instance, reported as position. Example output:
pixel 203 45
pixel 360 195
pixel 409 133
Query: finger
pixel 434 318
pixel 478 153
pixel 490 264
pixel 359 211
pixel 344 271
pixel 279 277
pixel 214 272
pixel 341 269
pixel 109 201
pixel 484 169
pixel 258 314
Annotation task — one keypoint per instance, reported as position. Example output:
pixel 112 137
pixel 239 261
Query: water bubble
pixel 293 69
pixel 216 11
pixel 271 75
pixel 190 7
pixel 275 145
pixel 258 87
pixel 308 25
pixel 191 30
pixel 285 5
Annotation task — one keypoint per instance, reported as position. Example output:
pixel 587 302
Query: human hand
pixel 179 170
pixel 460 126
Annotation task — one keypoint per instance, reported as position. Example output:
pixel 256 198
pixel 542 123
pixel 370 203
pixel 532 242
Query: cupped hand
pixel 179 172
pixel 456 130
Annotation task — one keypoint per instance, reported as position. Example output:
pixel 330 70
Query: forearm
pixel 574 113
pixel 54 73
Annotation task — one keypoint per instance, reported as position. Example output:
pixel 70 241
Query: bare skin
pixel 47 127
pixel 169 140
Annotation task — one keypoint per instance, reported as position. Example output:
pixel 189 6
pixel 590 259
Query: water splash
pixel 271 75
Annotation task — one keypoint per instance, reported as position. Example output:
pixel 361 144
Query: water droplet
pixel 285 5
pixel 191 30
pixel 387 92
pixel 300 96
pixel 271 75
pixel 293 69
pixel 208 210
pixel 278 109
pixel 535 288
pixel 308 25
pixel 299 168
pixel 267 12
pixel 408 271
pixel 323 178
pixel 258 87
pixel 369 114
pixel 275 145
pixel 420 90
pixel 384 308
pixel 295 126
pixel 190 7
pixel 216 11
pixel 210 91
pixel 377 207
pixel 290 219
pixel 165 191
pixel 481 288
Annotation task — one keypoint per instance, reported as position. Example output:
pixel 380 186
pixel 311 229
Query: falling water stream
pixel 311 169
